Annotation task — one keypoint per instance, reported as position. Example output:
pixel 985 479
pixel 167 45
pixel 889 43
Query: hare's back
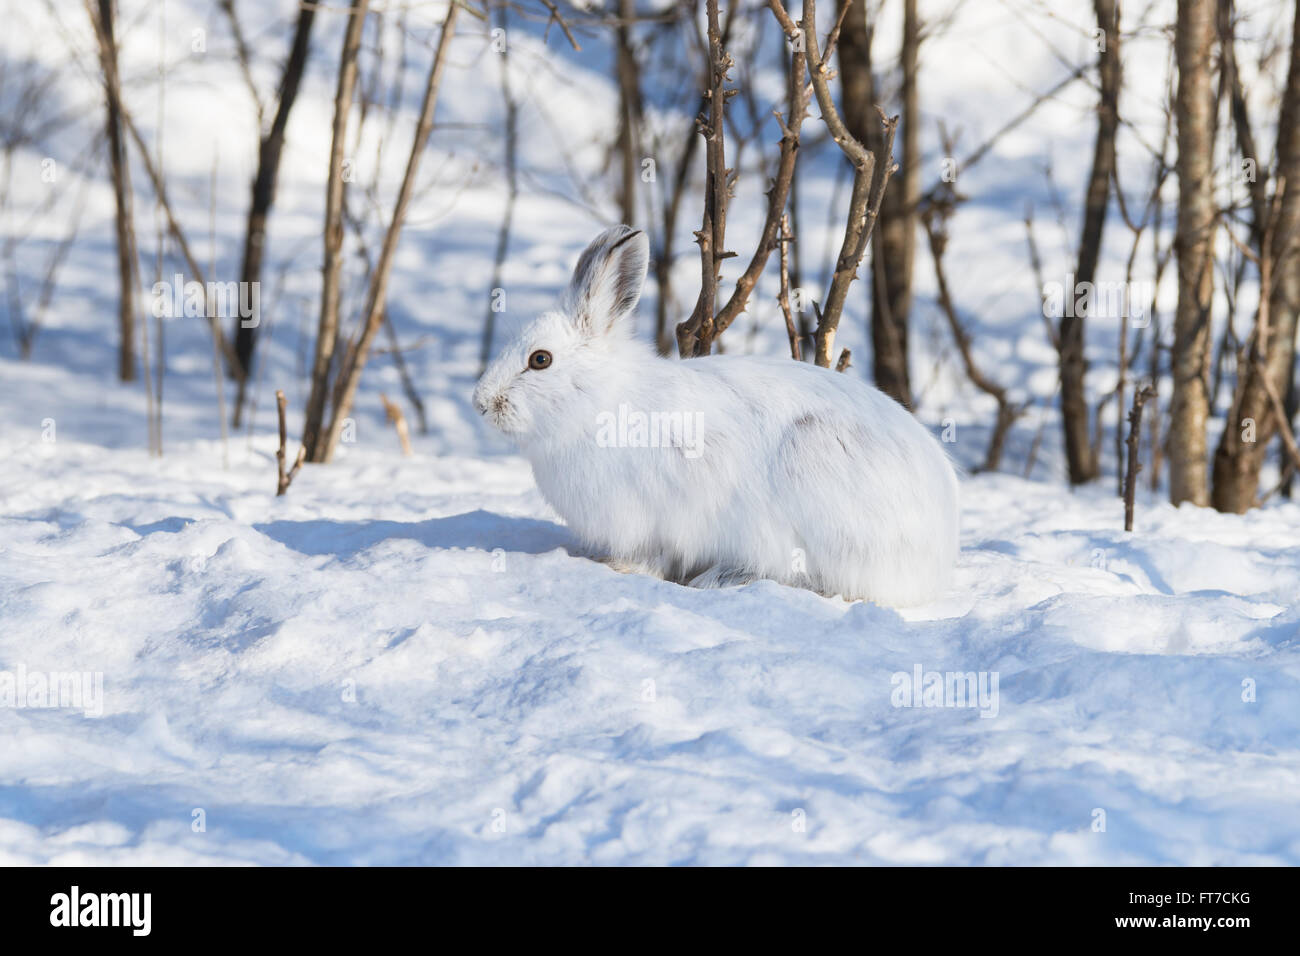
pixel 838 442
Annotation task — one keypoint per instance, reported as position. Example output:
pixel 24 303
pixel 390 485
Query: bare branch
pixel 349 375
pixel 557 18
pixel 1140 398
pixel 934 218
pixel 327 333
pixel 778 195
pixel 783 298
pixel 394 413
pixel 285 479
pixel 864 202
pixel 242 55
pixel 695 336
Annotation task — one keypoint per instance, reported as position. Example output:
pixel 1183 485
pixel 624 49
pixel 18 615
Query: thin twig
pixel 778 195
pixel 1140 398
pixel 934 218
pixel 285 479
pixel 394 413
pixel 695 336
pixel 349 375
pixel 557 18
pixel 783 297
pixel 864 201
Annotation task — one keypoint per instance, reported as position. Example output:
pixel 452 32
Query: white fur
pixel 803 475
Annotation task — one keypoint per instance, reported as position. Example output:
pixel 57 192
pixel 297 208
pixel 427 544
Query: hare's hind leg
pixel 844 525
pixel 718 576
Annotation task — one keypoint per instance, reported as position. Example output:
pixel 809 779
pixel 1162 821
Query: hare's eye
pixel 540 359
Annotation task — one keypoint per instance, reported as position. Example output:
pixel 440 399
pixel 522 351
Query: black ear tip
pixel 627 237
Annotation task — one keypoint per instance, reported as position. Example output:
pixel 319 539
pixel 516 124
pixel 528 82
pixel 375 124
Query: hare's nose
pixel 479 403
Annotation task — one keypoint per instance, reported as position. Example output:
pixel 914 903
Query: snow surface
pixel 405 660
pixel 401 657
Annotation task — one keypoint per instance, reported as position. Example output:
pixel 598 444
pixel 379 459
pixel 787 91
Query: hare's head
pixel 536 376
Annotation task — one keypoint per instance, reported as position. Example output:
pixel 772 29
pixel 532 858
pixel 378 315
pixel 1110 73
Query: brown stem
pixel 934 219
pixel 695 336
pixel 285 479
pixel 394 413
pixel 269 152
pixel 783 297
pixel 777 196
pixel 327 332
pixel 1140 398
pixel 1079 450
pixel 349 376
pixel 864 201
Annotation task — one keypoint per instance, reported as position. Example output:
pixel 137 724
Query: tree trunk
pixel 695 335
pixel 868 188
pixel 1195 109
pixel 327 333
pixel 1292 407
pixel 1080 454
pixel 268 168
pixel 894 242
pixel 629 120
pixel 1237 462
pixel 349 374
pixel 120 171
pixel 895 238
pixel 511 145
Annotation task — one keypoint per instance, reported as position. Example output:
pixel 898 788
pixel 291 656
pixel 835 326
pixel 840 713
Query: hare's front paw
pixel 629 566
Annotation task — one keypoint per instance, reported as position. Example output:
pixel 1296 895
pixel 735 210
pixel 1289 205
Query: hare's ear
pixel 607 281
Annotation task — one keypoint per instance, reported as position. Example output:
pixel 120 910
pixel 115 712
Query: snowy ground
pixel 402 662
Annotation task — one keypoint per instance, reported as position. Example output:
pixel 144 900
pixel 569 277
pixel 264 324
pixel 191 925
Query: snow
pixel 408 661
pixel 401 655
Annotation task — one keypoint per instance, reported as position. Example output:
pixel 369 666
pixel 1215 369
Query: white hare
pixel 723 469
